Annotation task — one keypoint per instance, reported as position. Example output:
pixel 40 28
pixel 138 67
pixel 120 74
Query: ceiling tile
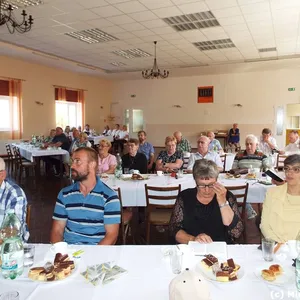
pixel 133 26
pixel 232 20
pixel 83 15
pixel 153 4
pixel 179 2
pixel 142 33
pixel 131 7
pixel 120 20
pixel 143 16
pixel 80 25
pixel 254 8
pixel 167 12
pixel 217 4
pixel 243 2
pixel 101 22
pixel 107 11
pixel 191 8
pixel 163 30
pixel 232 28
pixel 93 3
pixel 151 38
pixel 115 1
pixel 43 11
pixel 113 29
pixel 279 4
pixel 154 23
pixel 227 12
pixel 262 16
pixel 171 36
pixel 44 22
pixel 214 33
pixel 67 6
pixel 124 35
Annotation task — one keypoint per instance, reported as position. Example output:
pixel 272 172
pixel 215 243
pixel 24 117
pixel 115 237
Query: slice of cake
pixel 222 276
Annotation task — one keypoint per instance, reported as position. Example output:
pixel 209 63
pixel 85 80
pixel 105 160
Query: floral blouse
pixel 165 158
pixel 194 217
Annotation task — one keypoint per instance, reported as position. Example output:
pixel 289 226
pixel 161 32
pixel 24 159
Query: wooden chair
pixel 279 161
pixel 28 214
pixel 241 193
pixel 185 162
pixel 21 164
pixel 158 213
pixel 126 217
pixel 10 156
pixel 223 159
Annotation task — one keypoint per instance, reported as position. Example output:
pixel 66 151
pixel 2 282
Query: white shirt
pixel 264 147
pixel 292 148
pixel 115 132
pixel 215 157
pixel 123 135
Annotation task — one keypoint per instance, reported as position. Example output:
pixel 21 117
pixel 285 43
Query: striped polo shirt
pixel 87 215
pixel 243 160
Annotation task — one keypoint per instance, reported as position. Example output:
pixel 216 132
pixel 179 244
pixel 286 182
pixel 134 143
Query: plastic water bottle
pixel 118 170
pixel 12 252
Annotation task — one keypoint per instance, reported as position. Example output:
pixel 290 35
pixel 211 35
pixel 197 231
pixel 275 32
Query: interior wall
pixel 258 93
pixel 38 86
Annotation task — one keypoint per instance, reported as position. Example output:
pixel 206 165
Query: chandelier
pixel 155 71
pixel 7 17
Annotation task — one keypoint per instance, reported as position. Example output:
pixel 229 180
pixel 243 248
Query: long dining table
pixel 133 191
pixel 149 274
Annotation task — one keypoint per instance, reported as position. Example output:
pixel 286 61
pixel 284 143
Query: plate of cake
pixel 225 272
pixel 61 268
pixel 274 274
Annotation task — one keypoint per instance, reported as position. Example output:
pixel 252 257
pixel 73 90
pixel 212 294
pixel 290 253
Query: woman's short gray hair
pixel 252 138
pixel 292 160
pixel 204 168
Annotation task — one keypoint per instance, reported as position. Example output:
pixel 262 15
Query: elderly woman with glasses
pixel 207 213
pixel 107 162
pixel 281 211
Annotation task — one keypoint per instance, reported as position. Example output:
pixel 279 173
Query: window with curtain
pixel 69 106
pixel 10 103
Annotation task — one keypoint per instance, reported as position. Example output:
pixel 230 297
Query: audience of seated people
pixel 49 138
pixel 120 139
pixel 214 144
pixel 147 149
pixel 106 131
pixel 183 144
pixel 12 197
pixel 134 160
pixel 68 133
pixel 82 141
pixel 97 226
pixel 87 129
pixel 169 159
pixel 234 137
pixel 207 213
pixel 107 162
pixel 203 152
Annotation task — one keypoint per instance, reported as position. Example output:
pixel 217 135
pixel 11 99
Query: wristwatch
pixel 224 204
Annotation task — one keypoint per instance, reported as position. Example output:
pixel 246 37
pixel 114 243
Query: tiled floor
pixel 42 192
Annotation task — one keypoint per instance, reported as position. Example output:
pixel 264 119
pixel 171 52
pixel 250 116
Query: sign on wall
pixel 206 94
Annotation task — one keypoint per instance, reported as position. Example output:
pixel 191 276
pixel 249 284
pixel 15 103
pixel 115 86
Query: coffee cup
pixel 159 173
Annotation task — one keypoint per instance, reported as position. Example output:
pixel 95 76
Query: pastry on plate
pixel 268 275
pixel 276 269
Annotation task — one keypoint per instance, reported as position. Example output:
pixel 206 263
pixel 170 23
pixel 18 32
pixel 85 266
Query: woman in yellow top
pixel 281 211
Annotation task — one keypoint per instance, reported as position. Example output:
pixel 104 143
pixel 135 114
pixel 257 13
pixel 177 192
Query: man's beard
pixel 79 177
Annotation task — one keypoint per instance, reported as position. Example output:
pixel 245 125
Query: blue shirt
pixel 147 149
pixel 13 197
pixel 214 145
pixel 87 215
pixel 234 138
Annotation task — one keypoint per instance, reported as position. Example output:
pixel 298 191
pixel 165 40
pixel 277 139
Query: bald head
pixel 178 136
pixel 2 164
pixel 211 135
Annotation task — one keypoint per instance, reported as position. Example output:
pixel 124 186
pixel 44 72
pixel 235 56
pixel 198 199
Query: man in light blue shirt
pixel 146 148
pixel 214 144
pixel 203 152
pixel 87 212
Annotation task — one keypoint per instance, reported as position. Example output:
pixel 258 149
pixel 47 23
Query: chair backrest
pixel 118 190
pixel 240 192
pixel 28 214
pixel 185 162
pixel 223 159
pixel 279 162
pixel 8 151
pixel 162 196
pixel 17 155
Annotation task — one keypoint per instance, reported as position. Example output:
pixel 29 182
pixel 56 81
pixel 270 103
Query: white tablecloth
pixel 98 138
pixel 149 275
pixel 30 152
pixel 133 192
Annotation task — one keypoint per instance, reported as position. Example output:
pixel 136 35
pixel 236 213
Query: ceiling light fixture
pixel 155 71
pixel 7 17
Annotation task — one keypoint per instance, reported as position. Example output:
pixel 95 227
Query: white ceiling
pixel 250 24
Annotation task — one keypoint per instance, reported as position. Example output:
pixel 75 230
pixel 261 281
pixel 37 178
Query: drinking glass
pixel 176 261
pixel 268 249
pixel 29 251
pixel 12 295
pixel 126 170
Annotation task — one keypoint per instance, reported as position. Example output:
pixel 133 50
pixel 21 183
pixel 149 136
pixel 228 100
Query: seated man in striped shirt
pixel 87 212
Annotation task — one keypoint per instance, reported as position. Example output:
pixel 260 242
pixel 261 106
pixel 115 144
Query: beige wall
pixel 259 93
pixel 38 86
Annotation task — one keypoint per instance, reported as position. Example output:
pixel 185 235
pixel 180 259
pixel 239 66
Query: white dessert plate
pixel 209 275
pixel 287 276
